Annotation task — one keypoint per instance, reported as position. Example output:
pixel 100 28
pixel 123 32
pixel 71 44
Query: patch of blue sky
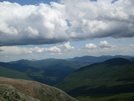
pixel 114 1
pixel 68 22
pixel 94 0
pixel 30 2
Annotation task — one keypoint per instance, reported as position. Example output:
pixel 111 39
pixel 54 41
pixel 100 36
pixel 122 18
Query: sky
pixel 40 29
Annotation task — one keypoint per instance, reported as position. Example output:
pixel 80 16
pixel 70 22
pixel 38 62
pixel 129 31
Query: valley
pixel 104 78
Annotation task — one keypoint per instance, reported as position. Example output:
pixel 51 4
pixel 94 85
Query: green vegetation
pixel 13 74
pixel 109 78
pixel 50 75
pixel 117 97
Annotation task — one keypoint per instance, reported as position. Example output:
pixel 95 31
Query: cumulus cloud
pixel 11 50
pixel 65 21
pixel 90 46
pixel 19 50
pixel 53 54
pixel 105 44
pixel 53 49
pixel 132 45
pixel 102 45
pixel 5 50
pixel 67 47
pixel 30 24
pixel 100 19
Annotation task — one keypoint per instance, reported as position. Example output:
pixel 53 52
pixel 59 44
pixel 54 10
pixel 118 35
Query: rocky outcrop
pixel 25 90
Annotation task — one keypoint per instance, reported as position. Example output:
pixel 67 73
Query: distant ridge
pixel 97 59
pixel 117 61
pixel 113 61
pixel 108 78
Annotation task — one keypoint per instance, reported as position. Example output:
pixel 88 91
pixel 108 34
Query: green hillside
pixel 51 73
pixel 5 72
pixel 106 79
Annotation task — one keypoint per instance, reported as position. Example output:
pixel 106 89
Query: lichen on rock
pixel 25 90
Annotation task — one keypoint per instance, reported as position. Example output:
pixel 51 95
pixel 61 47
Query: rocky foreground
pixel 26 90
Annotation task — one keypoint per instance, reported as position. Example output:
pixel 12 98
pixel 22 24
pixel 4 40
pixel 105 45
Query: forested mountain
pixel 13 73
pixel 50 71
pixel 102 80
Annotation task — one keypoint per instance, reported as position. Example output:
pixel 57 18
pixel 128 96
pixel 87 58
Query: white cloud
pixel 132 45
pixel 55 54
pixel 31 31
pixel 38 50
pixel 58 48
pixel 5 50
pixel 90 46
pixel 46 24
pixel 14 50
pixel 99 19
pixel 67 47
pixel 105 44
pixel 11 50
pixel 102 45
pixel 30 24
pixel 53 49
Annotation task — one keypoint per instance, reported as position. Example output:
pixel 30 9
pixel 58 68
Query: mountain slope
pixel 114 76
pixel 13 74
pixel 50 71
pixel 50 76
pixel 24 90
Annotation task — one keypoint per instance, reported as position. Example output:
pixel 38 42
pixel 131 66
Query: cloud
pixel 132 45
pixel 7 50
pixel 67 46
pixel 1 50
pixel 55 54
pixel 11 50
pixel 100 19
pixel 53 49
pixel 31 24
pixel 105 44
pixel 65 21
pixel 90 46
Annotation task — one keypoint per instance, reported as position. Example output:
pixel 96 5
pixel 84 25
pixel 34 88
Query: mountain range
pixel 88 78
pixel 50 71
pixel 102 80
pixel 50 76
